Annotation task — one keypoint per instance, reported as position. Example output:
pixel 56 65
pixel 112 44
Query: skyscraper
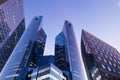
pixel 27 61
pixel 67 56
pixel 38 47
pixel 19 58
pixel 102 61
pixel 12 26
pixel 39 66
pixel 34 59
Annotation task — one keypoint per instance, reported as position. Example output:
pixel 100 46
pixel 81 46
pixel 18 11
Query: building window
pixel 105 60
pixel 118 62
pixel 103 66
pixel 107 75
pixel 115 60
pixel 110 58
pixel 96 51
pixel 114 56
pixel 109 69
pixel 106 56
pixel 99 58
pixel 101 53
pixel 111 54
pixel 114 64
pixel 109 62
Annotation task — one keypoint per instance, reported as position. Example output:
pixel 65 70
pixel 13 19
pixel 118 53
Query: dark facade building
pixel 102 61
pixel 38 48
pixel 67 56
pixel 15 67
pixel 12 26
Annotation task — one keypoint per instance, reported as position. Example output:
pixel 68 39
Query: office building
pixel 102 61
pixel 50 72
pixel 28 62
pixel 38 48
pixel 45 72
pixel 16 65
pixel 67 56
pixel 12 26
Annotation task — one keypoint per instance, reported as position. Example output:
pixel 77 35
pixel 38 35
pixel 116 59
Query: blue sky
pixel 99 17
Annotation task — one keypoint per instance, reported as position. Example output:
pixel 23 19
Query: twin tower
pixel 28 63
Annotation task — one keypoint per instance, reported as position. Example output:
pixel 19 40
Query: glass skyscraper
pixel 15 66
pixel 102 61
pixel 39 66
pixel 12 26
pixel 27 61
pixel 67 56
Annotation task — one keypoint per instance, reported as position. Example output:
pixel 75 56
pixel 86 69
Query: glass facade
pixel 100 59
pixel 12 13
pixel 42 70
pixel 20 55
pixel 46 60
pixel 12 26
pixel 67 56
pixel 46 72
pixel 38 48
pixel 27 61
pixel 35 57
